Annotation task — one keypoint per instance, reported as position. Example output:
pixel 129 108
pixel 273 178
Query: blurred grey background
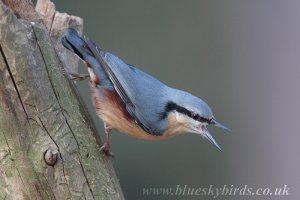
pixel 242 57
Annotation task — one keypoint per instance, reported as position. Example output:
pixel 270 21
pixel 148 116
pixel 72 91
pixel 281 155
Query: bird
pixel 134 102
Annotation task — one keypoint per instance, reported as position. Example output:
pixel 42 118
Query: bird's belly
pixel 111 110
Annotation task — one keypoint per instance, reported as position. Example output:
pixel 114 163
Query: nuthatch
pixel 136 103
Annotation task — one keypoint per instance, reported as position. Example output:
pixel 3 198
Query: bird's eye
pixel 195 115
pixel 203 119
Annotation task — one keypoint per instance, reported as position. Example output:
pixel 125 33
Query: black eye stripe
pixel 171 106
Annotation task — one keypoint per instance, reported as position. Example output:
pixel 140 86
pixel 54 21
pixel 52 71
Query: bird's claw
pixel 78 77
pixel 105 149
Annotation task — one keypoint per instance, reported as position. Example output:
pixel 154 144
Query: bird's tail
pixel 79 46
pixel 76 44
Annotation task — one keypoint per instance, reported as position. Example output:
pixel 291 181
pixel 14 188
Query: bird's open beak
pixel 219 125
pixel 210 138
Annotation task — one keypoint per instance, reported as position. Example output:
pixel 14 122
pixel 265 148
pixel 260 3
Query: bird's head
pixel 193 115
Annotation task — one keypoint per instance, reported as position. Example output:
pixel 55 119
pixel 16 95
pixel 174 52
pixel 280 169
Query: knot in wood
pixel 50 156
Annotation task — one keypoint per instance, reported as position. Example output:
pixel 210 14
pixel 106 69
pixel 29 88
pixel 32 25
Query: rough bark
pixel 48 146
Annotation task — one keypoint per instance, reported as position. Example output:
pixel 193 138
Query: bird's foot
pixel 106 149
pixel 78 77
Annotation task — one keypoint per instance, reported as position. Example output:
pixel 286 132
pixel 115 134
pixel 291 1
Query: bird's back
pixel 147 93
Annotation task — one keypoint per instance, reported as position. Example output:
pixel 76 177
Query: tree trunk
pixel 48 145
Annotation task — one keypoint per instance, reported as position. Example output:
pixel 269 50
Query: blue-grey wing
pixel 143 95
